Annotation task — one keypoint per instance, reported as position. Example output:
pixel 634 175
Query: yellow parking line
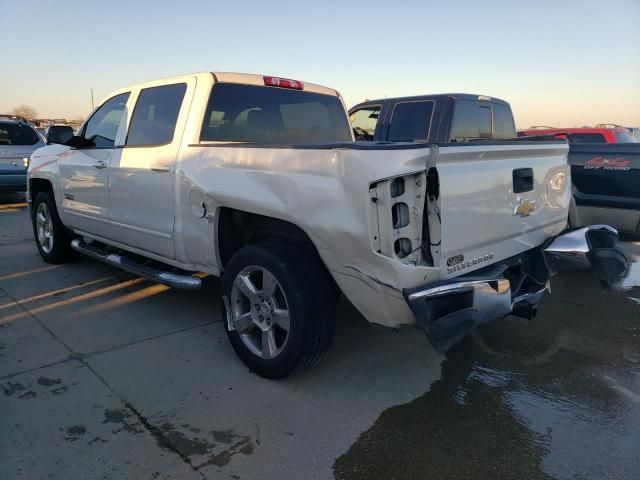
pixel 70 301
pixel 11 276
pixel 55 292
pixel 125 299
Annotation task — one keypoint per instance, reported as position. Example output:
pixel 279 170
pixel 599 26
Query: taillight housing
pixel 283 83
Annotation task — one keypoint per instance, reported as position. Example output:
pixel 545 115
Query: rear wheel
pixel 52 237
pixel 279 308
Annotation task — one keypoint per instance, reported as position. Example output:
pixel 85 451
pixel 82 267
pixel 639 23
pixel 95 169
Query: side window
pixel 101 129
pixel 623 135
pixel 503 125
pixel 154 117
pixel 364 121
pixel 410 121
pixel 470 121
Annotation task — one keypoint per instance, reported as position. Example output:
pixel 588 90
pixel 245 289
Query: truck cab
pixel 442 118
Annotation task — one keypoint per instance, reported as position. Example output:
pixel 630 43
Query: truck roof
pixel 223 77
pixel 254 79
pixel 436 96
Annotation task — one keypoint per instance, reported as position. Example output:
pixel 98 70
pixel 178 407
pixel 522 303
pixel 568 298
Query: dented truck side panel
pixel 345 199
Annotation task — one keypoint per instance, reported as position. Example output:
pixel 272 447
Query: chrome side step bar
pixel 175 280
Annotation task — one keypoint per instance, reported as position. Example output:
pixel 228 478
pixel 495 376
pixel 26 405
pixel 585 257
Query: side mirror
pixel 75 142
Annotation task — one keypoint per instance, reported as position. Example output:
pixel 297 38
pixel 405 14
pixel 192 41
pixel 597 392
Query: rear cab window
pixel 471 120
pixel 273 115
pixel 17 134
pixel 503 125
pixel 411 121
pixel 474 120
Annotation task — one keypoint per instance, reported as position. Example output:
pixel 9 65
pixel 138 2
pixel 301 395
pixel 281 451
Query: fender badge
pixel 524 208
pixel 455 260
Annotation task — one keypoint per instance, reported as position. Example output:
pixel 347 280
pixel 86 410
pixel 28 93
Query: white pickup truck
pixel 257 179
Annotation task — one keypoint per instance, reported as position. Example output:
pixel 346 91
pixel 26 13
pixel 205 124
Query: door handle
pixel 161 167
pixel 99 164
pixel 522 180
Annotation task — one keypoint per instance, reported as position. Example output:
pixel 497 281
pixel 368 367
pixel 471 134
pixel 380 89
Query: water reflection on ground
pixel 555 398
pixel 633 278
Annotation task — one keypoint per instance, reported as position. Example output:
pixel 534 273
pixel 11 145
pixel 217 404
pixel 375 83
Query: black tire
pixel 310 300
pixel 60 251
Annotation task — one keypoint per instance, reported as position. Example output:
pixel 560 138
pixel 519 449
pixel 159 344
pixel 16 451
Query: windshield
pixel 248 113
pixel 17 134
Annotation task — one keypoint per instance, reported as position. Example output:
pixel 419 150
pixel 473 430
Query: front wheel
pixel 52 237
pixel 278 308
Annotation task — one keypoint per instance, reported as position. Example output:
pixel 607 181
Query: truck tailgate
pixel 496 201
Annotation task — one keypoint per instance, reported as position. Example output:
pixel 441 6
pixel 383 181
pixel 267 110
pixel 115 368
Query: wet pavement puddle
pixel 555 398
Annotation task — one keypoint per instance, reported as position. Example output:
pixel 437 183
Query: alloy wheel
pixel 44 226
pixel 259 312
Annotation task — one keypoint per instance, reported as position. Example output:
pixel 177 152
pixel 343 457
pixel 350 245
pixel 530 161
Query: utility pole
pixel 92 104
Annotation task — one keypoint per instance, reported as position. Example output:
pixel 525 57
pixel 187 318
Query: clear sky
pixel 567 63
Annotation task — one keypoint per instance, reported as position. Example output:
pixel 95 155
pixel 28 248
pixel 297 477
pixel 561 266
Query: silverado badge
pixel 455 260
pixel 524 208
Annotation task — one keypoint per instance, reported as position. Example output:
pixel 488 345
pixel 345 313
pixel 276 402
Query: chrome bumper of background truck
pixel 449 310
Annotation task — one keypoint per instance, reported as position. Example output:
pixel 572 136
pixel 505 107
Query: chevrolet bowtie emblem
pixel 524 208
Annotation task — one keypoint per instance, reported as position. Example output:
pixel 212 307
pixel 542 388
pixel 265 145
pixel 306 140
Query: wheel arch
pixel 37 185
pixel 237 228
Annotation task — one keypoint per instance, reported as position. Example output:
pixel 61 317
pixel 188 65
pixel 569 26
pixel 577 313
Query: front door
pixel 142 175
pixel 84 171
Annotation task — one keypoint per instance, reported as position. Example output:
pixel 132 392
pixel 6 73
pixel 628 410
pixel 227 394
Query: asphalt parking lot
pixel 105 375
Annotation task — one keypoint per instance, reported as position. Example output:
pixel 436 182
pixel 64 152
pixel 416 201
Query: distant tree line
pixel 25 111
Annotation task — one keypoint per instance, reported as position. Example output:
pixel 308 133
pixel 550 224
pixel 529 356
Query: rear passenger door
pixel 142 176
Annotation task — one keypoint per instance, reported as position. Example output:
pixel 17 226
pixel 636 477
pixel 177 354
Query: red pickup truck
pixel 605 174
pixel 584 135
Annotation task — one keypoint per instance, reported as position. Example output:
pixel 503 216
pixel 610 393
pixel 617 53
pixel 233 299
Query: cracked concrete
pixel 105 375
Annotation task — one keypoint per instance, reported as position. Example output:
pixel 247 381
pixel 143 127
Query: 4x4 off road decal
pixel 618 163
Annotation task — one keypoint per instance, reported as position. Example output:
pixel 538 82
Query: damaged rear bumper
pixel 449 310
